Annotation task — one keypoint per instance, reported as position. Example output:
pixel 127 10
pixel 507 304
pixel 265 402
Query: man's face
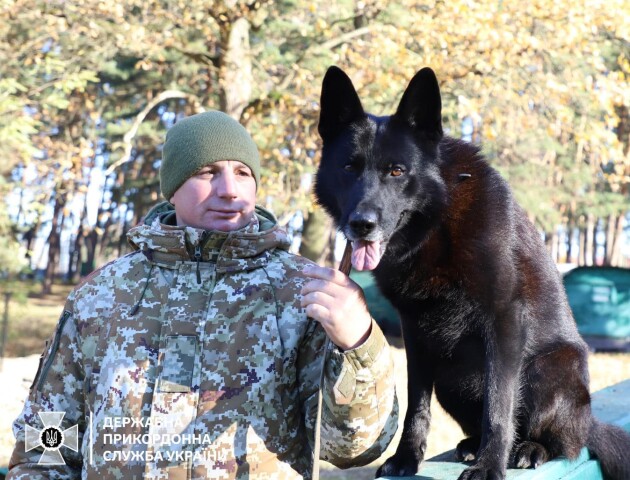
pixel 221 196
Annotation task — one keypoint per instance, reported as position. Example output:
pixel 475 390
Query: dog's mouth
pixel 366 255
pixel 367 252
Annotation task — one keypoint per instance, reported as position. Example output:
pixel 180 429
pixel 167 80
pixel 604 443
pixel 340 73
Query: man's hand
pixel 336 302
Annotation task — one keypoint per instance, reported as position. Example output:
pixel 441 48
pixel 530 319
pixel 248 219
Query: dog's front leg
pixel 504 353
pixel 413 442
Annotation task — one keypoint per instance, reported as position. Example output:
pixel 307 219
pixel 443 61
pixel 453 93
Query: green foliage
pixel 12 255
pixel 545 84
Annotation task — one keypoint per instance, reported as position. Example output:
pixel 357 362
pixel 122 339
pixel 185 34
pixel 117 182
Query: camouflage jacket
pixel 192 358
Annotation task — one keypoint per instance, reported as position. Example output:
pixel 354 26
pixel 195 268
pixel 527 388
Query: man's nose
pixel 227 185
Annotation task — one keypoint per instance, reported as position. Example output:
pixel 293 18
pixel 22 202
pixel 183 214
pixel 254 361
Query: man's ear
pixel 339 104
pixel 421 105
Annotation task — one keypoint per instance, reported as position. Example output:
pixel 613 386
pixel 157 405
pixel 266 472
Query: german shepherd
pixel 484 315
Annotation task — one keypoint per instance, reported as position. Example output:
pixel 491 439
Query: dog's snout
pixel 363 223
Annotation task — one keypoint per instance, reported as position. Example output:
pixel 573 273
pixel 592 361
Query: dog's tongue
pixel 365 255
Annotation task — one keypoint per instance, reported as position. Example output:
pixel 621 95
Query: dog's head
pixel 376 172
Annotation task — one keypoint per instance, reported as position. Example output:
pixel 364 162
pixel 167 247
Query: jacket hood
pixel 163 242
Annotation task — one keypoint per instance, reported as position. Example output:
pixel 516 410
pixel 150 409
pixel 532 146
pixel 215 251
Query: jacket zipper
pixel 53 349
pixel 197 255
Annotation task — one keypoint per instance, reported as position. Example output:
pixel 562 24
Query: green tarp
pixel 600 300
pixel 381 310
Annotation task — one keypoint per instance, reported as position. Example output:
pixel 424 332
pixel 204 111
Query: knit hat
pixel 200 140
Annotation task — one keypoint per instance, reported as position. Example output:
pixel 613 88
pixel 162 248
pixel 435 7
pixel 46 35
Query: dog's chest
pixel 435 311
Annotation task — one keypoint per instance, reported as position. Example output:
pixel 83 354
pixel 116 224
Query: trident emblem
pixel 52 435
pixel 52 438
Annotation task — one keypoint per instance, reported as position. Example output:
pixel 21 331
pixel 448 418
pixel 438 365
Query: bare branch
pixel 332 43
pixel 129 136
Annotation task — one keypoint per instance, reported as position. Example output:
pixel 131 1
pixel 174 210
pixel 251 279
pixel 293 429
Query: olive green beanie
pixel 197 141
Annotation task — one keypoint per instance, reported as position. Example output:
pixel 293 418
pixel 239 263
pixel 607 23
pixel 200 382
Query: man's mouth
pixel 224 212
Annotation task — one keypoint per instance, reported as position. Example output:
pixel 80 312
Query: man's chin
pixel 226 225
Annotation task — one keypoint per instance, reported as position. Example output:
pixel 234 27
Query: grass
pixel 32 317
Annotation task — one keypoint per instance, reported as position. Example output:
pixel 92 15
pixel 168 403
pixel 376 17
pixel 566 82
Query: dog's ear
pixel 339 104
pixel 421 105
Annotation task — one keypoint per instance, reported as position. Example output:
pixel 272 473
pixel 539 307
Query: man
pixel 199 354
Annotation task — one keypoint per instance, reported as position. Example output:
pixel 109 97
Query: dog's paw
pixel 398 466
pixel 530 454
pixel 478 472
pixel 466 450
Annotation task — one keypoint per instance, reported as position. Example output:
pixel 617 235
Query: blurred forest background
pixel 88 89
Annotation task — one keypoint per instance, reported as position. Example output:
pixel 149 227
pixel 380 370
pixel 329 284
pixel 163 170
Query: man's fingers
pixel 318 297
pixel 328 274
pixel 318 312
pixel 325 286
pixel 338 304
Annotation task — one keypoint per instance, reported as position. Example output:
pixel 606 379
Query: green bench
pixel 610 405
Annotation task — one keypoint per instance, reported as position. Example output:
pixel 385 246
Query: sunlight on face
pixel 221 196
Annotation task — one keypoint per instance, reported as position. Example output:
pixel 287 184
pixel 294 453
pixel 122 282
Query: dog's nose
pixel 363 223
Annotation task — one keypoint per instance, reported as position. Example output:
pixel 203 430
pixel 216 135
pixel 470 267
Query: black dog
pixel 484 316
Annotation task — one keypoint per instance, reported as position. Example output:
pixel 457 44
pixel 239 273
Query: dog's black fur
pixel 484 316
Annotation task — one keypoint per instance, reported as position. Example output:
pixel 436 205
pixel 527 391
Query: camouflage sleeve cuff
pixel 362 365
pixel 360 405
pixel 366 354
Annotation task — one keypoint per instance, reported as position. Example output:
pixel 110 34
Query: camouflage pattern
pixel 177 368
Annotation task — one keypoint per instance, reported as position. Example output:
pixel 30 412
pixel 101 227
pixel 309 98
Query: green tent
pixel 600 300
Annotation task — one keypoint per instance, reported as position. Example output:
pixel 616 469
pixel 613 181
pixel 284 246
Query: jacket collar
pixel 164 242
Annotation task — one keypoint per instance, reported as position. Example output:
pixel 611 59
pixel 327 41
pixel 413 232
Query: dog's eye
pixel 348 167
pixel 396 171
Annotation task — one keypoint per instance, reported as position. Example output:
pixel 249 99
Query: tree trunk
pixel 123 245
pixel 88 260
pixel 549 244
pixel 615 244
pixel 623 127
pixel 329 253
pixel 594 229
pixel 555 245
pixel 315 236
pixel 108 240
pixel 569 240
pixel 54 243
pixel 235 68
pixel 74 255
pixel 589 242
pixel 609 239
pixel 98 236
pixel 582 248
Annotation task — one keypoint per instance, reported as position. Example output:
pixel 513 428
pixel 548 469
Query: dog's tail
pixel 611 445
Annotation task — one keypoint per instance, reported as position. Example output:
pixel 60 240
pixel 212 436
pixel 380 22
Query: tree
pixel 89 89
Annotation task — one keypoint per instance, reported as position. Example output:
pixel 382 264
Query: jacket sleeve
pixel 58 387
pixel 360 408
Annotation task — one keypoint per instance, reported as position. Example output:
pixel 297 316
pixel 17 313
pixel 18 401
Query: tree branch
pixel 129 136
pixel 332 43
